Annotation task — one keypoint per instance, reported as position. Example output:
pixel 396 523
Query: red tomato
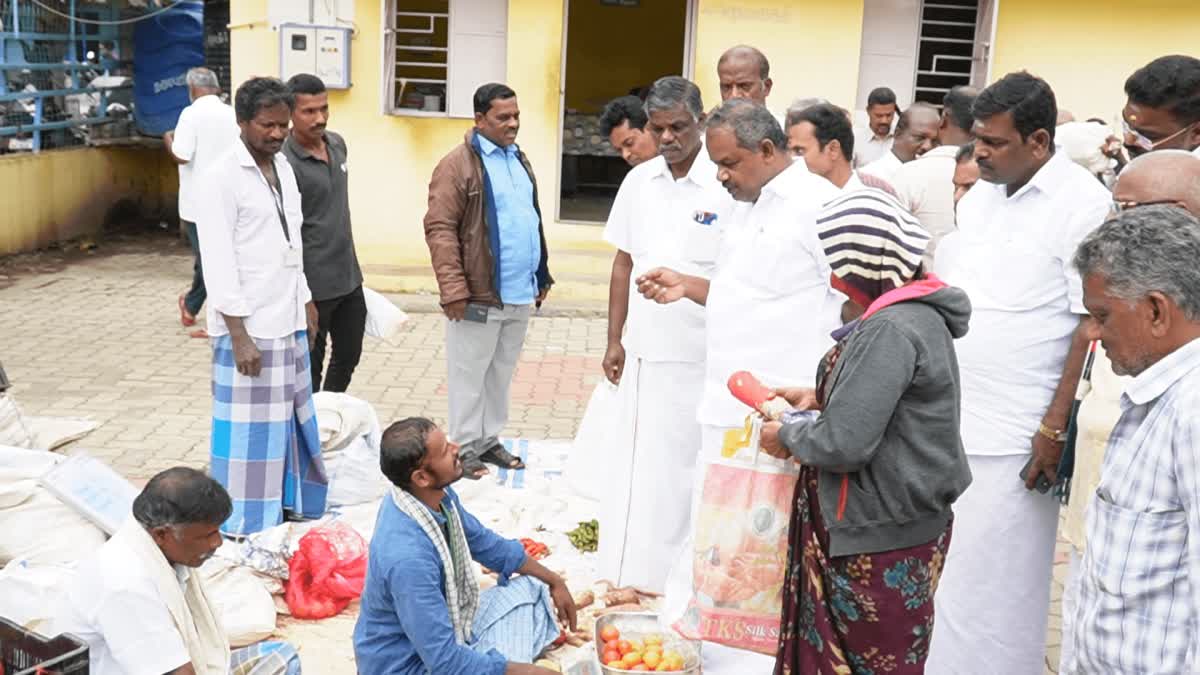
pixel 610 633
pixel 612 645
pixel 610 655
pixel 624 646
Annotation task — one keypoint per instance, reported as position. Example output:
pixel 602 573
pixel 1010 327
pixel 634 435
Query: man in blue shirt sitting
pixel 422 611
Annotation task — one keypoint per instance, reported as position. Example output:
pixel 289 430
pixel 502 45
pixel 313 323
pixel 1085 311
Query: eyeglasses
pixel 1119 206
pixel 1138 140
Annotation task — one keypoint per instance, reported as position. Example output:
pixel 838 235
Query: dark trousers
pixel 196 295
pixel 343 318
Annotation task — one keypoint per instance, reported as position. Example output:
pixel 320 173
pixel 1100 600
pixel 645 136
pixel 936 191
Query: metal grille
pixel 49 93
pixel 947 43
pixel 419 37
pixel 216 41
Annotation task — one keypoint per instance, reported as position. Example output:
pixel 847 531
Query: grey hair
pixel 750 123
pixel 673 91
pixel 180 496
pixel 202 78
pixel 792 116
pixel 1147 249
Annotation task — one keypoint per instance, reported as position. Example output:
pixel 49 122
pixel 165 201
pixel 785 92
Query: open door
pixel 611 48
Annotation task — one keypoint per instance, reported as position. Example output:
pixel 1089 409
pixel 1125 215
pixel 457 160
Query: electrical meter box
pixel 323 51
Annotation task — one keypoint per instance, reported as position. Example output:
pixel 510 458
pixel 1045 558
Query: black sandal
pixel 496 454
pixel 473 469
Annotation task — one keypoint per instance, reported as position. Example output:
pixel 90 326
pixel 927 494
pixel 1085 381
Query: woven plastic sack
pixel 327 573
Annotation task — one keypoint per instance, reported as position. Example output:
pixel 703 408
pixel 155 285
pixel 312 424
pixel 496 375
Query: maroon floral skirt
pixel 866 614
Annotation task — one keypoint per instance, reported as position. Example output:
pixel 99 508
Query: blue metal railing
pixel 40 55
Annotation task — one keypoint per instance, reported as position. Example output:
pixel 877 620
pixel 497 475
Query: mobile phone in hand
pixel 1042 484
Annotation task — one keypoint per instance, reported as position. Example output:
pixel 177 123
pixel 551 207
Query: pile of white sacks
pixel 44 538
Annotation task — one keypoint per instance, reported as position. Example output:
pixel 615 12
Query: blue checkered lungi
pixel 266 449
pixel 265 658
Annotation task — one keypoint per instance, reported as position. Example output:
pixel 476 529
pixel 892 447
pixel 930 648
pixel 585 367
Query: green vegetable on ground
pixel 586 537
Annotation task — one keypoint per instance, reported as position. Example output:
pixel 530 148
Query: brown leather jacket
pixel 463 244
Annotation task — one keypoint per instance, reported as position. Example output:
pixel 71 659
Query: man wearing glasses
pixel 1163 110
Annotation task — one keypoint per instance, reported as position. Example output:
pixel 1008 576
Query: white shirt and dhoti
pixel 645 513
pixel 925 186
pixel 1013 256
pixel 770 311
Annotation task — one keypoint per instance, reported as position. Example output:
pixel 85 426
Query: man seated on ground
pixel 422 611
pixel 140 604
pixel 623 123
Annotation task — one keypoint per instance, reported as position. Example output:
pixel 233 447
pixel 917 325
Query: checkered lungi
pixel 266 449
pixel 265 658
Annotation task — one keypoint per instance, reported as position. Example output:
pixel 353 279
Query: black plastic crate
pixel 26 653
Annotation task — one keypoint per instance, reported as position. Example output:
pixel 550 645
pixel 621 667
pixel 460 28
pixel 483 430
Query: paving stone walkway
pixel 99 337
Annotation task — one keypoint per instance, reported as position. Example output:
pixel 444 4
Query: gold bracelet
pixel 1058 436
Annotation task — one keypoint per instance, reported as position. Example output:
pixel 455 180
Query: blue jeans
pixel 197 294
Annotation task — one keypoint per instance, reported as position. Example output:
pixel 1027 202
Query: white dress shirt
pixel 1196 152
pixel 250 269
pixel 925 186
pixel 1139 587
pixel 770 306
pixel 661 221
pixel 868 147
pixel 113 604
pixel 206 129
pixel 1012 255
pixel 885 167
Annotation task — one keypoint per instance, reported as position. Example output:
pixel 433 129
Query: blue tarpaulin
pixel 164 48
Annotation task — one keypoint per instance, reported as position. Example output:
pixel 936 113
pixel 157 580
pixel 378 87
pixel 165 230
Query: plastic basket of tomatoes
pixel 632 642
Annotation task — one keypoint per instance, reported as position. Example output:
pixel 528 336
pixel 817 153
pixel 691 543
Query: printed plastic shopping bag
pixel 739 553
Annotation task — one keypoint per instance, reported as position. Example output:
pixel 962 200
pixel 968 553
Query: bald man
pixel 1159 177
pixel 744 72
pixel 916 134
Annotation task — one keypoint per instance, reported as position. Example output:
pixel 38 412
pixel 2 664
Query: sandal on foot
pixel 185 317
pixel 473 469
pixel 496 454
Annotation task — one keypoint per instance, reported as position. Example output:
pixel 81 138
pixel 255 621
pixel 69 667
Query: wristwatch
pixel 1056 435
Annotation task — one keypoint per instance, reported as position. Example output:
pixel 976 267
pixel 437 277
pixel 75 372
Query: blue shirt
pixel 404 624
pixel 517 222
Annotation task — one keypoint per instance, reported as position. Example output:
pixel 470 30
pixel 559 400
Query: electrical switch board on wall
pixel 323 51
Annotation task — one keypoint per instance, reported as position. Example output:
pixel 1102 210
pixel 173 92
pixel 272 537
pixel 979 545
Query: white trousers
pixel 645 514
pixel 993 599
pixel 1070 604
pixel 481 358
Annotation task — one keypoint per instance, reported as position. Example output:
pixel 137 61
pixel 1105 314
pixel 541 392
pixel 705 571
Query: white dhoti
pixel 716 659
pixel 993 599
pixel 645 515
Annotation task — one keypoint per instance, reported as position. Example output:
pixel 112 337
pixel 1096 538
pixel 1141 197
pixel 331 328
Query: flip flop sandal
pixel 185 317
pixel 473 469
pixel 496 454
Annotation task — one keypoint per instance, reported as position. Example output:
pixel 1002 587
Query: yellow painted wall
pixel 611 49
pixel 813 45
pixel 61 194
pixel 1086 49
pixel 392 157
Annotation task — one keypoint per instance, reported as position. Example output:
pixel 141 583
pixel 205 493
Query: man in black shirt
pixel 318 158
